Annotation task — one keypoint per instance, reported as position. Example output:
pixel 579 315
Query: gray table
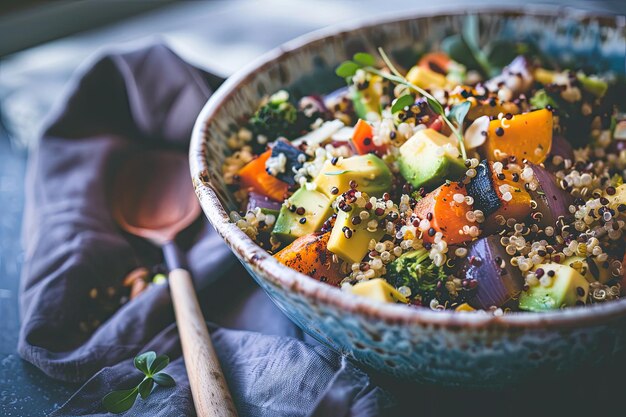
pixel 217 35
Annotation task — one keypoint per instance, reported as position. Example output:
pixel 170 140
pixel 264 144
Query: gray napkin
pixel 74 327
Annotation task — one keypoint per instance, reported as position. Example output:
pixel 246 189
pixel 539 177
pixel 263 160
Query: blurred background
pixel 42 43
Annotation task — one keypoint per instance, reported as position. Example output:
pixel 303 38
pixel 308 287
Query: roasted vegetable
pixel 552 201
pixel 526 136
pixel 286 165
pixel 481 189
pixel 488 264
pixel 254 176
pixel 309 255
pixel 415 270
pixel 267 205
pixel 445 214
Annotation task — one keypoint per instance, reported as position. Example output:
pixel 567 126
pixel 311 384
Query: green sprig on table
pixel 151 366
pixel 366 62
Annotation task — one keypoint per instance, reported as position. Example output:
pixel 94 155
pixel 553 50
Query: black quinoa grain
pixel 499 131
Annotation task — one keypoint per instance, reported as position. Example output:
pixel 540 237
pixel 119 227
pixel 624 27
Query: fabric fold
pixel 76 325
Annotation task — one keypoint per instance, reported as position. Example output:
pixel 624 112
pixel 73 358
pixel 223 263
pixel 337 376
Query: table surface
pixel 217 35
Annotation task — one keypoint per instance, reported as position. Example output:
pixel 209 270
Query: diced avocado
pixel 367 100
pixel 290 224
pixel 423 162
pixel 592 272
pixel 371 174
pixel 378 289
pixel 568 288
pixel 593 84
pixel 349 241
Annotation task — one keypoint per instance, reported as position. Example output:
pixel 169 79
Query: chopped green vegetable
pixel 541 99
pixel 415 270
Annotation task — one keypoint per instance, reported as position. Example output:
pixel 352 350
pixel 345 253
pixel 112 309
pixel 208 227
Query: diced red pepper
pixel 363 139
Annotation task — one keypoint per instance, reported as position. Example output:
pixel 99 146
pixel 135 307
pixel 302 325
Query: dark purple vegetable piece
pixel 552 200
pixel 560 147
pixel 499 283
pixel 481 189
pixel 293 163
pixel 264 203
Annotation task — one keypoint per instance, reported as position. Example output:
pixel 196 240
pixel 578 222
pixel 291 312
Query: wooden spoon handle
pixel 208 386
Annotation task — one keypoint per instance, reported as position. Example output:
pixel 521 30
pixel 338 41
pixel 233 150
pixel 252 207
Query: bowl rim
pixel 314 291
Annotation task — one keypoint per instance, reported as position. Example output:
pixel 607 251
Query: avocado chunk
pixel 369 172
pixel 424 162
pixel 378 289
pixel 310 205
pixel 590 268
pixel 594 85
pixel 367 100
pixel 568 288
pixel 350 241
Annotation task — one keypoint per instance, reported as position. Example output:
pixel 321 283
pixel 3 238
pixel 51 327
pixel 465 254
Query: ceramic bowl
pixel 427 346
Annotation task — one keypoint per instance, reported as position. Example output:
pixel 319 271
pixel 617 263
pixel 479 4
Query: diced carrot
pixel 309 254
pixel 526 136
pixel 363 139
pixel 446 215
pixel 435 61
pixel 253 175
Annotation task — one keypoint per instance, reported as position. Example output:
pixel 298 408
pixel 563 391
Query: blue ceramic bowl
pixel 419 344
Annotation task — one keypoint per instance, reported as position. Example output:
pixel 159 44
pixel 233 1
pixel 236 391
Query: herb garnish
pixel 366 63
pixel 151 366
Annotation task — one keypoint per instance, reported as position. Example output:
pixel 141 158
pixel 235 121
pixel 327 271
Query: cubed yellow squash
pixel 526 136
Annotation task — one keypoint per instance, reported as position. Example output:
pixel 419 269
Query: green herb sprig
pixel 366 62
pixel 151 366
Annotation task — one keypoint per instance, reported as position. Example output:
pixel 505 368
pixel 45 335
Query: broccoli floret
pixel 415 270
pixel 275 118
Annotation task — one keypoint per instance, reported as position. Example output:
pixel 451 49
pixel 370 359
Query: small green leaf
pixel 345 171
pixel 144 361
pixel 347 69
pixel 159 364
pixel 435 106
pixel 119 401
pixel 457 113
pixel 145 388
pixel 402 102
pixel 164 379
pixel 364 59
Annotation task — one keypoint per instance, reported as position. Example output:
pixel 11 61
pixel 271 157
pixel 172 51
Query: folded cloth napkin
pixel 75 324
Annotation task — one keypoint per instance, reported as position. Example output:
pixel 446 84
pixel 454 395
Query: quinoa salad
pixel 450 182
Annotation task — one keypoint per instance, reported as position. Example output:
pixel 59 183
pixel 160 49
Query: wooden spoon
pixel 153 198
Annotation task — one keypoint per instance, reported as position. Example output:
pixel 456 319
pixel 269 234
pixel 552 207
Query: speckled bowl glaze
pixel 448 348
